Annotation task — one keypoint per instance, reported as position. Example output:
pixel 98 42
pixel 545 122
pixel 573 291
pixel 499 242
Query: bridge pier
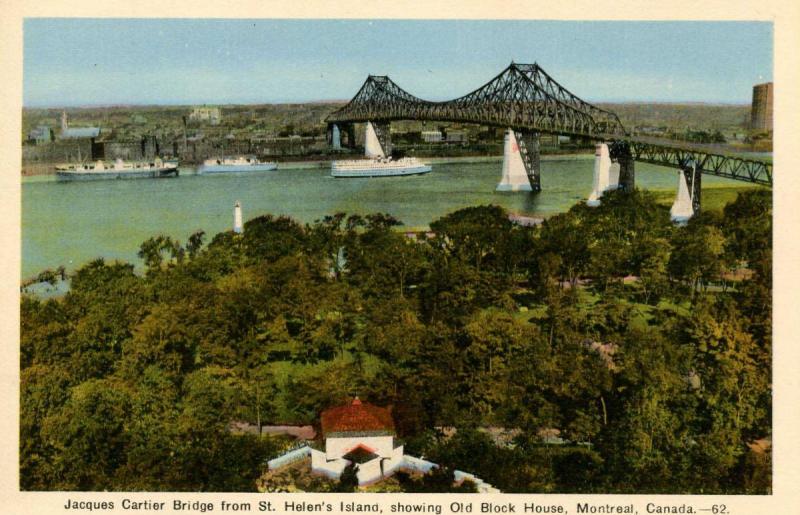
pixel 377 139
pixel 620 151
pixel 334 136
pixel 627 174
pixel 529 150
pixel 687 200
pixel 515 175
pixel 606 174
pixel 372 146
pixel 337 130
pixel 350 130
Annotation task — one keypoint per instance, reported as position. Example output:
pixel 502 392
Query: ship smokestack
pixel 237 218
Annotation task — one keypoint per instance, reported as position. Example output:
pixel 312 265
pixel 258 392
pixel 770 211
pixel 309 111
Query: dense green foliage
pixel 631 337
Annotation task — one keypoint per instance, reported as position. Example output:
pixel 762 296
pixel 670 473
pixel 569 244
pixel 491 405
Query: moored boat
pixel 120 169
pixel 236 164
pixel 379 167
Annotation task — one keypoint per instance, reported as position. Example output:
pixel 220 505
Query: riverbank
pixel 48 173
pixel 71 223
pixel 714 197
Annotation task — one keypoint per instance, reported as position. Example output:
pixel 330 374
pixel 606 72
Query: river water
pixel 70 223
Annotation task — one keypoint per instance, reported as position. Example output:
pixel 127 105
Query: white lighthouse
pixel 237 218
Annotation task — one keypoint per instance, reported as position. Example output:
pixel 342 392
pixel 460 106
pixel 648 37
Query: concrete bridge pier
pixel 529 150
pixel 377 139
pixel 334 136
pixel 627 174
pixel 372 145
pixel 687 200
pixel 606 174
pixel 515 175
pixel 344 129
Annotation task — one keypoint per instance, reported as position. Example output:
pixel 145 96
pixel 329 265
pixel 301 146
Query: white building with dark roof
pixel 213 115
pixel 363 434
pixel 41 134
pixel 359 433
pixel 68 132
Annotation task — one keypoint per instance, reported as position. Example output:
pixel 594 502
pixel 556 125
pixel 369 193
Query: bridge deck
pixel 709 159
pixel 524 97
pixel 706 148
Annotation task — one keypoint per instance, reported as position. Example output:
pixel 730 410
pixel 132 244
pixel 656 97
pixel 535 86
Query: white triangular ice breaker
pixel 515 178
pixel 606 174
pixel 682 209
pixel 372 145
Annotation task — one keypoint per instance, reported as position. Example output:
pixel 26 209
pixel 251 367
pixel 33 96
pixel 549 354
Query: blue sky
pixel 71 62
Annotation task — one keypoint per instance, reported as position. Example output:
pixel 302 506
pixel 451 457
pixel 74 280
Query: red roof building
pixel 357 418
pixel 362 434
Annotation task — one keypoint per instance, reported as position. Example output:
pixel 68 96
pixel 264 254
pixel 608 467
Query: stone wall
pixel 59 151
pixel 126 150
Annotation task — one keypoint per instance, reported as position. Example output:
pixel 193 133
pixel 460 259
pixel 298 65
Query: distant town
pixel 292 132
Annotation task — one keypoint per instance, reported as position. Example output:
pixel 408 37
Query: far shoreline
pixel 47 171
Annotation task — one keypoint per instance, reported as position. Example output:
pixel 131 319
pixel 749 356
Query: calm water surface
pixel 70 223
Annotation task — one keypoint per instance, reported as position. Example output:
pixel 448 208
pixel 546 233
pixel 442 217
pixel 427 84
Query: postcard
pixel 330 264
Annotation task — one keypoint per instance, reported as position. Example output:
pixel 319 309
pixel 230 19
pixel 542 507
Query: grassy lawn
pixel 529 310
pixel 714 198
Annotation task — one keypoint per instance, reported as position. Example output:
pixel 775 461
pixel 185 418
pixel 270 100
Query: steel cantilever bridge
pixel 525 98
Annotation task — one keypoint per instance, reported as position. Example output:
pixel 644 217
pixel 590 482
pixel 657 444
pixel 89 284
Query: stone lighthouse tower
pixel 237 218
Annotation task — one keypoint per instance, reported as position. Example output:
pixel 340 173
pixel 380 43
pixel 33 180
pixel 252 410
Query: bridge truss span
pixel 526 99
pixel 683 156
pixel 522 96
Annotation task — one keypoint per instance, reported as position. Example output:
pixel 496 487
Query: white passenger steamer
pixel 120 169
pixel 377 164
pixel 236 164
pixel 378 167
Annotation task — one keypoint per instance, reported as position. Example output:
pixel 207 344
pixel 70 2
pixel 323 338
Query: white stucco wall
pixel 369 472
pixel 482 486
pixel 332 469
pixel 335 448
pixel 289 457
pixel 332 464
pixel 418 465
pixel 393 463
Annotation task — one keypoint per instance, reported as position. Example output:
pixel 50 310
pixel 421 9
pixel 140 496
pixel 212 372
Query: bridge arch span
pixel 527 100
pixel 522 96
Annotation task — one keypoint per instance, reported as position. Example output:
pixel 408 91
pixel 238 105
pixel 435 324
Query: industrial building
pixel 211 115
pixel 761 109
pixel 68 132
pixel 431 136
pixel 40 135
pixel 456 137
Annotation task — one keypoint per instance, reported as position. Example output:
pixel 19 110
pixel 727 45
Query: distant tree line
pixel 644 346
